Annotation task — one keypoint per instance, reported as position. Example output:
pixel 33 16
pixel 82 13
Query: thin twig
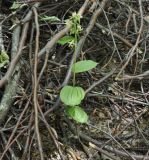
pixel 35 81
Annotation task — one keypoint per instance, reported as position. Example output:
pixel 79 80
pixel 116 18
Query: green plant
pixel 49 19
pixel 17 5
pixel 72 96
pixel 4 59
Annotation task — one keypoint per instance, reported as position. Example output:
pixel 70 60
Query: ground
pixel 35 66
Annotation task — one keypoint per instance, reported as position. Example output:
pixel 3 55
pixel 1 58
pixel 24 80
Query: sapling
pixel 72 96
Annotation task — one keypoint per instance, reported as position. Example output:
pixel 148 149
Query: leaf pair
pixel 72 96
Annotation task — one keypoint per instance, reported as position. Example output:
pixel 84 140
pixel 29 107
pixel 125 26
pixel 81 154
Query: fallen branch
pixel 11 88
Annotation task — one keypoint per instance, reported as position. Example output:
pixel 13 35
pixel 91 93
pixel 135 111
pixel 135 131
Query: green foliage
pixel 75 30
pixel 74 22
pixel 83 66
pixel 72 96
pixel 66 40
pixel 50 18
pixel 77 113
pixel 4 59
pixel 15 6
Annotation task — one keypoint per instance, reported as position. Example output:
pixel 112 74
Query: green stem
pixel 74 75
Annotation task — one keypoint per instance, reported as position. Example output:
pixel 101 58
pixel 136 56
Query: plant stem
pixel 74 75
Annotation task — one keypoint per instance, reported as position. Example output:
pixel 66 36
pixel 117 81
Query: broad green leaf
pixel 83 66
pixel 66 39
pixel 77 113
pixel 4 59
pixel 72 96
pixel 50 18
